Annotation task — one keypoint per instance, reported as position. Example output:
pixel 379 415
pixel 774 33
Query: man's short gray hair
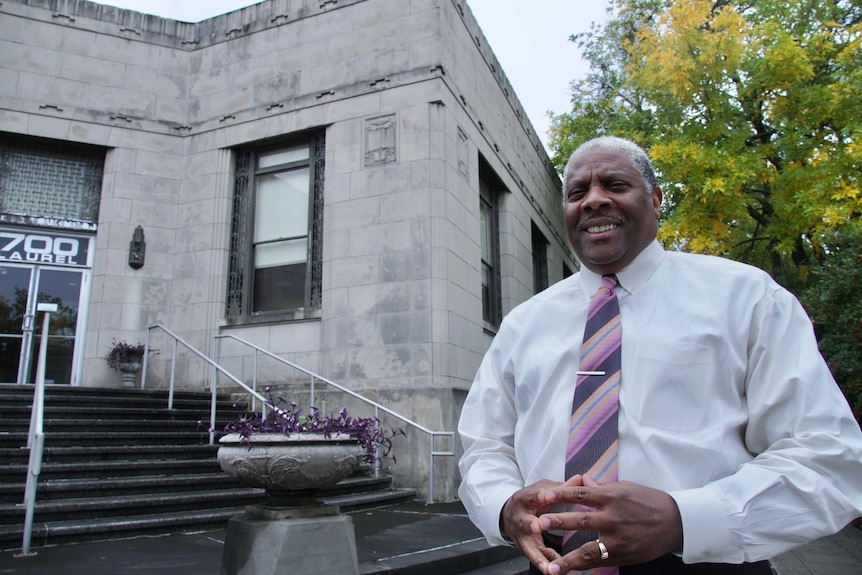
pixel 637 155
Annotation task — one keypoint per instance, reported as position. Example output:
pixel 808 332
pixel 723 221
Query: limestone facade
pixel 408 109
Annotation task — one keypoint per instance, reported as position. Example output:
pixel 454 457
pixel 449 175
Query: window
pixel 540 259
pixel 489 187
pixel 276 240
pixel 60 183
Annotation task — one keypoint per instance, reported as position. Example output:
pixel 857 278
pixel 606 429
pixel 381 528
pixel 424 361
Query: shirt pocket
pixel 669 384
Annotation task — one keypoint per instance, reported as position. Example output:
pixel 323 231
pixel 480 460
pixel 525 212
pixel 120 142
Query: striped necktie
pixel 592 446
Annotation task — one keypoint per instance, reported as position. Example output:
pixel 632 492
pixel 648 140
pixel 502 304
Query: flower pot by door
pixel 128 370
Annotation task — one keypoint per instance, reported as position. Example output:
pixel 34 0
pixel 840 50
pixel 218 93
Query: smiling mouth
pixel 600 229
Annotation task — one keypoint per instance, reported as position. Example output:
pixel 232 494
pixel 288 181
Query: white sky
pixel 529 38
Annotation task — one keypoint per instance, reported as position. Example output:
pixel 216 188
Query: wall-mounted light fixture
pixel 137 249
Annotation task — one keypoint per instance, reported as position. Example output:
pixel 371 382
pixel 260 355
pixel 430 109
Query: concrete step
pixel 13 394
pixel 20 414
pixel 72 439
pixel 94 423
pixel 349 502
pixel 64 532
pixel 67 488
pixel 107 469
pixel 12 515
pixel 81 453
pixel 125 425
pixel 118 464
pixel 353 491
pixel 96 502
pixel 112 518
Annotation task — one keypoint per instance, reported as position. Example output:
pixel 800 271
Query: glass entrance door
pixel 21 289
pixel 14 295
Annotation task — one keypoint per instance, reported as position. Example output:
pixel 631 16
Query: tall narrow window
pixel 540 259
pixel 489 191
pixel 277 225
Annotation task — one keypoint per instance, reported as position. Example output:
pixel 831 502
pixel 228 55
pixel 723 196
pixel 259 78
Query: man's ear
pixel 656 201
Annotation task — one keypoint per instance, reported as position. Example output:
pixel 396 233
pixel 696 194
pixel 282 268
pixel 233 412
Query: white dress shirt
pixel 725 403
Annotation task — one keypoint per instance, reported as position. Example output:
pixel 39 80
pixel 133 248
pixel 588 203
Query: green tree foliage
pixel 834 302
pixel 751 112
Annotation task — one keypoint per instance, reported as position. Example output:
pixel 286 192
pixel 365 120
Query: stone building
pixel 351 185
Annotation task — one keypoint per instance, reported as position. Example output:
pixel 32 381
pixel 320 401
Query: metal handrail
pixel 377 407
pixel 214 367
pixel 36 435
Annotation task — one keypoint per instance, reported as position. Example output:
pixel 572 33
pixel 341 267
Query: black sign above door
pixel 43 248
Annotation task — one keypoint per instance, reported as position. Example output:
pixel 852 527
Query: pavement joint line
pixel 366 510
pixel 420 552
pixel 427 513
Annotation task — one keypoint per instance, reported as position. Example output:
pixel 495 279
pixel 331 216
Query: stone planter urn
pixel 128 369
pixel 298 464
pixel 292 532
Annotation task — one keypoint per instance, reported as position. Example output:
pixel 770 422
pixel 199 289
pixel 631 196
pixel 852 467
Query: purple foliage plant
pixel 286 417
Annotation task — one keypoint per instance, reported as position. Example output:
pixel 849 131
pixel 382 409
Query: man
pixel 731 442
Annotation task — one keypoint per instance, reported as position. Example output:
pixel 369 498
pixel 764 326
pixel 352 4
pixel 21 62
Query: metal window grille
pixel 49 182
pixel 490 191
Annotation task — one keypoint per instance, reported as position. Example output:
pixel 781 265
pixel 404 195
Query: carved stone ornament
pixel 298 462
pixel 380 140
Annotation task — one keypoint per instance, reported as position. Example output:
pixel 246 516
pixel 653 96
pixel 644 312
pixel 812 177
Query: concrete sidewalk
pixel 407 538
pixel 840 554
pixel 411 537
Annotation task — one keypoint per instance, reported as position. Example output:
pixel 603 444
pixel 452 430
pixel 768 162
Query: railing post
pixel 146 353
pixel 378 465
pixel 311 403
pixel 213 389
pixel 254 384
pixel 431 470
pixel 173 377
pixel 216 349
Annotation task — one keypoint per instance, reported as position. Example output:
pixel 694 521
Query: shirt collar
pixel 631 277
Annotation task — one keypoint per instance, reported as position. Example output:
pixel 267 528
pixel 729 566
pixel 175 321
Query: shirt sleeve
pixel 805 478
pixel 489 471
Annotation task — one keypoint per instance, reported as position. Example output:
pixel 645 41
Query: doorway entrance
pixel 24 285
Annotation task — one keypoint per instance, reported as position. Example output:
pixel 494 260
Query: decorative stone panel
pixel 380 140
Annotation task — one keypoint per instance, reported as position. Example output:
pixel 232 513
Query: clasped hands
pixel 635 523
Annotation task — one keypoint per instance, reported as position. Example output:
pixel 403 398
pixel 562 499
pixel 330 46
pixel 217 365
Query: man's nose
pixel 597 196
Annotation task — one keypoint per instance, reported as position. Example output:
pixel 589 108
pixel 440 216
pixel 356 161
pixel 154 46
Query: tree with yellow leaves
pixel 751 112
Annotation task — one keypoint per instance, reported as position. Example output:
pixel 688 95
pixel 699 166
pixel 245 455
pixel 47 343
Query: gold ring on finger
pixel 603 550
